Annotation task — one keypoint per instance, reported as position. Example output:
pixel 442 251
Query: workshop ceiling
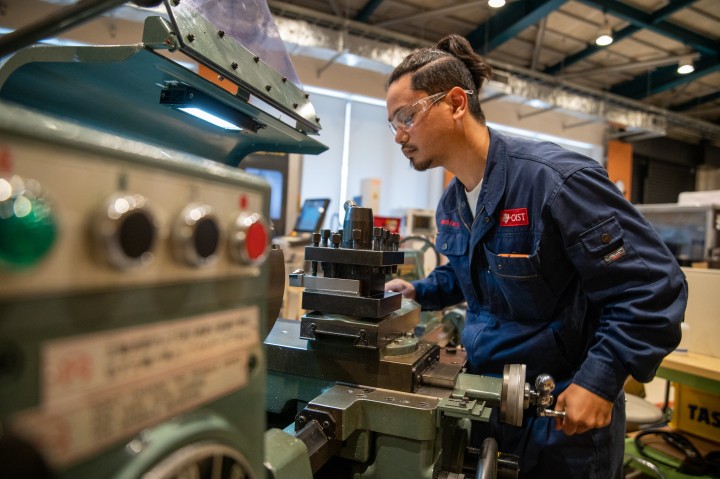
pixel 543 52
pixel 556 39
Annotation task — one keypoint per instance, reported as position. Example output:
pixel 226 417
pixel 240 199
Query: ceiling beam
pixel 658 25
pixel 665 78
pixel 654 18
pixel 539 38
pixel 509 22
pixel 696 101
pixel 704 112
pixel 366 12
pixel 632 65
pixel 589 50
pixel 428 14
pixel 334 8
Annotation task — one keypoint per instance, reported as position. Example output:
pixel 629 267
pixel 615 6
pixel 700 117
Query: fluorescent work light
pixel 189 100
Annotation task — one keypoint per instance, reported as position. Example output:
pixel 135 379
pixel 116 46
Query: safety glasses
pixel 406 117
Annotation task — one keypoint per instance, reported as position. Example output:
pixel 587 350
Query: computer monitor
pixel 275 170
pixel 312 215
pixel 275 179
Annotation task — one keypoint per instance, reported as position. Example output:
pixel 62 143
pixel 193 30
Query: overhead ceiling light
pixel 496 3
pixel 604 36
pixel 686 66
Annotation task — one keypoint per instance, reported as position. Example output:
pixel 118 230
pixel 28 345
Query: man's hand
pixel 401 286
pixel 584 410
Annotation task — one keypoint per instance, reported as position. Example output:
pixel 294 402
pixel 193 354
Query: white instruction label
pixel 72 429
pixel 102 360
pixel 99 388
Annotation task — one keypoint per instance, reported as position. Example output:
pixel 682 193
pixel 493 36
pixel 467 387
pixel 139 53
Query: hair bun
pixel 460 48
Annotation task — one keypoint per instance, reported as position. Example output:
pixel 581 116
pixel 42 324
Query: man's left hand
pixel 584 410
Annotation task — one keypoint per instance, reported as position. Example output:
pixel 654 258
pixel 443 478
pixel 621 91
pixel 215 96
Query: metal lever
pixel 550 413
pixel 545 385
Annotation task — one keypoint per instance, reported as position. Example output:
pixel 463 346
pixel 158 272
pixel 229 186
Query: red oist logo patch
pixel 515 217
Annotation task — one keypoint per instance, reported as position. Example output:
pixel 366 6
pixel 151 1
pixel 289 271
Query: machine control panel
pixel 133 292
pixel 73 220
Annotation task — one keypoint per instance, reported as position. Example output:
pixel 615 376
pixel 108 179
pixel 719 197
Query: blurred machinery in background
pixel 417 222
pixel 692 232
pixel 417 239
pixel 309 220
pixel 690 228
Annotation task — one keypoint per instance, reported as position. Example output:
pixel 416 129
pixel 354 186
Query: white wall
pixel 374 154
pixel 320 174
pixel 361 146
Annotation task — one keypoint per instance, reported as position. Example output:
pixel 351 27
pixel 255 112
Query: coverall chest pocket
pixel 451 243
pixel 519 286
pixel 454 245
pixel 606 259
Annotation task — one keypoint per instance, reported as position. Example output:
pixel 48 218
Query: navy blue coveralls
pixel 562 274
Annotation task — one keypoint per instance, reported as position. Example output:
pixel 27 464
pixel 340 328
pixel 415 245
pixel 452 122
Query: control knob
pixel 125 231
pixel 196 235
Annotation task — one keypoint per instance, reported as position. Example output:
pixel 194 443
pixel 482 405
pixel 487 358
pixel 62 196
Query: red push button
pixel 257 241
pixel 249 240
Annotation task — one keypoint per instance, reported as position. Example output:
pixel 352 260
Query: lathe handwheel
pixel 512 398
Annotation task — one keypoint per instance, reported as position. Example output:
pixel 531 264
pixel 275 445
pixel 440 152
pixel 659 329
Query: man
pixel 559 271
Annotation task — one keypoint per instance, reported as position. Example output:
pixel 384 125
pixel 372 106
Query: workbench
pixel 695 370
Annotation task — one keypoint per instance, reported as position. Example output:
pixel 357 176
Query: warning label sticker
pixel 98 361
pixel 100 388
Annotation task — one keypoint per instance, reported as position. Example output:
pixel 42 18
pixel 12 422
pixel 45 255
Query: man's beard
pixel 421 165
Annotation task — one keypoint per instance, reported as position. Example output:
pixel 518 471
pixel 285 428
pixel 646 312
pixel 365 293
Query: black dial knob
pixel 125 231
pixel 197 235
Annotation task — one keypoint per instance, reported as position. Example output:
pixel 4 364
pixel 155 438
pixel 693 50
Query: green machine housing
pixel 134 256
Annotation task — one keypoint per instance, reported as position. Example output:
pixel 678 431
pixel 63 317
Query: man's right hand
pixel 401 286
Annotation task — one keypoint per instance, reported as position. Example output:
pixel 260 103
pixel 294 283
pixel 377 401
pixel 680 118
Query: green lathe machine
pixel 139 291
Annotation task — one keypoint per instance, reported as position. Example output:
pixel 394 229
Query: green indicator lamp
pixel 27 224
